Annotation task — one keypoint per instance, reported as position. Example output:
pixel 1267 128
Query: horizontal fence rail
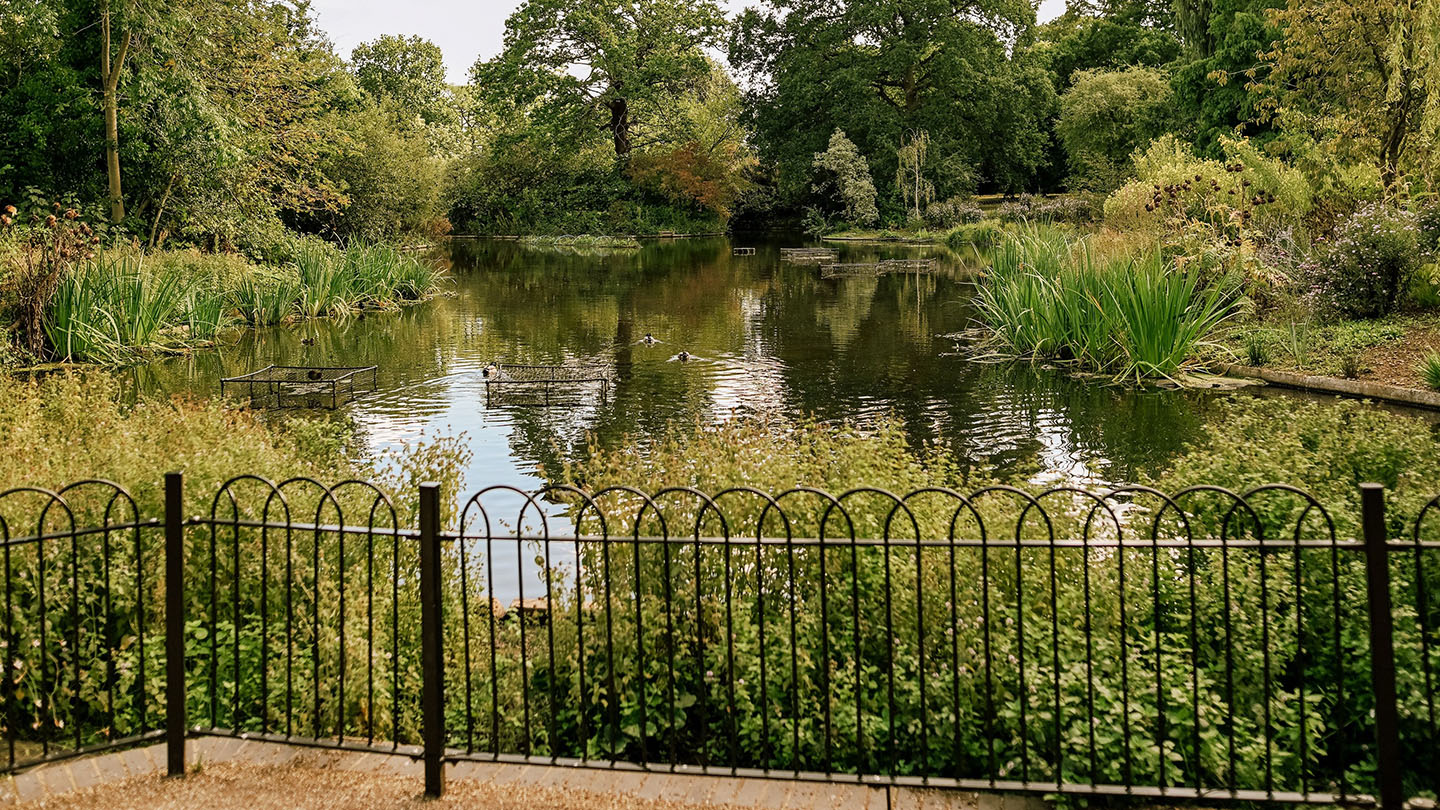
pixel 1205 644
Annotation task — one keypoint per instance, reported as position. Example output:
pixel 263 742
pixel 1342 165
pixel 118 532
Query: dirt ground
pixel 288 787
pixel 1398 362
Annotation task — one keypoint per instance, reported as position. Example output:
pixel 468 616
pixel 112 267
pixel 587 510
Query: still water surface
pixel 768 336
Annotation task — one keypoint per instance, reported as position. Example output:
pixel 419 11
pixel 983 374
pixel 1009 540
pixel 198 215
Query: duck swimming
pixel 489 371
pixel 684 357
pixel 648 340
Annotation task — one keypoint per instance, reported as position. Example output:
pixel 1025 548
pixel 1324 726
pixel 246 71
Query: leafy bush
pixel 876 664
pixel 984 234
pixel 952 212
pixel 135 444
pixel 1208 191
pixel 1370 259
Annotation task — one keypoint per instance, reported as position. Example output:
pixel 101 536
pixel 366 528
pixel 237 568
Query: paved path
pixel 254 775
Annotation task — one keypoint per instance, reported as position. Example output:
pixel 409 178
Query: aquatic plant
pixel 263 298
pixel 589 241
pixel 111 306
pixel 1049 296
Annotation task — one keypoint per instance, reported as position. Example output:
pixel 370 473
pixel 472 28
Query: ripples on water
pixel 770 336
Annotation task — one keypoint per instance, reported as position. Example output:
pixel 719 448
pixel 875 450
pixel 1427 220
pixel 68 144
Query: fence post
pixel 432 689
pixel 174 624
pixel 1382 647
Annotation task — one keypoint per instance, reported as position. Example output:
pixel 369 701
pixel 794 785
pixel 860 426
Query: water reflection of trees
pixel 774 335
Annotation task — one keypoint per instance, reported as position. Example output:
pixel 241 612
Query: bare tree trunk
pixel 620 126
pixel 110 78
pixel 164 198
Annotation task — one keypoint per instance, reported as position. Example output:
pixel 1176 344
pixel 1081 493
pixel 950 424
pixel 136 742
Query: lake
pixel 766 335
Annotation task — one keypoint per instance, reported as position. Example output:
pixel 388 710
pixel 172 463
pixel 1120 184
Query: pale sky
pixel 464 29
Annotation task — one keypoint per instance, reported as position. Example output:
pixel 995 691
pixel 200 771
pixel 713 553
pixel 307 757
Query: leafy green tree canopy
pixel 880 68
pixel 407 72
pixel 596 65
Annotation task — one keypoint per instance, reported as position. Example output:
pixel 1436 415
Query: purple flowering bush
pixel 1362 269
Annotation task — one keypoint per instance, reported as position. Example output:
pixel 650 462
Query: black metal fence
pixel 1202 644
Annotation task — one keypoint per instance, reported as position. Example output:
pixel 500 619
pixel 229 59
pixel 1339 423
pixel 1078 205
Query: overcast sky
pixel 464 29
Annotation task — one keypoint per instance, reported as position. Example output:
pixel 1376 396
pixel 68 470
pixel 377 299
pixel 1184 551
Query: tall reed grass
pixel 1133 316
pixel 121 303
pixel 111 306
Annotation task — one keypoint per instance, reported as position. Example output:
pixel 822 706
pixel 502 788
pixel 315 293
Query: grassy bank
pixel 72 301
pixel 1392 350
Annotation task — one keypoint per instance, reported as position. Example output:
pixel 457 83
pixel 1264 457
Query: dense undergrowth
pixel 771 655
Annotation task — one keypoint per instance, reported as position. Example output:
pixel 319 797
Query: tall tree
pixel 1222 65
pixel 879 68
pixel 406 72
pixel 593 63
pixel 1107 115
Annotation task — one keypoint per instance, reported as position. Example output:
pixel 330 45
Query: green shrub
pixel 877 648
pixel 135 445
pixel 986 234
pixel 1369 260
pixel 1209 191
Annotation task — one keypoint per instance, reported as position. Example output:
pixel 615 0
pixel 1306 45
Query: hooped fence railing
pixel 1204 644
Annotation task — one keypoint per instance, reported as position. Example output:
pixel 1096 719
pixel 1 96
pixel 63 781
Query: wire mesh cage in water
pixel 855 270
pixel 880 268
pixel 805 255
pixel 908 265
pixel 743 251
pixel 301 386
pixel 545 385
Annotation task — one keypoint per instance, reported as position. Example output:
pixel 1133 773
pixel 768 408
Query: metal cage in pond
pixel 544 385
pixel 301 386
pixel 806 255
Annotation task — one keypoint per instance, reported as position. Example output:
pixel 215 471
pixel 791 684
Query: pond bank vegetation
pixel 93 303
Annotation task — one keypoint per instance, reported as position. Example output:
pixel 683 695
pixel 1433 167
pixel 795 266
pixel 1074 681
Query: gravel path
pixel 291 787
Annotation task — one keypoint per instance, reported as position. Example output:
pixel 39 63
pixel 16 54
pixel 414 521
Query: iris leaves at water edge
pixel 1132 317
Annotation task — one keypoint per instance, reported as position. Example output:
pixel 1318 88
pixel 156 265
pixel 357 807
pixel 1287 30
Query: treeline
pixel 234 124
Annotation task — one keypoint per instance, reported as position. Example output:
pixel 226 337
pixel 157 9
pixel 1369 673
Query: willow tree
pixel 1364 74
pixel 592 63
pixel 916 190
